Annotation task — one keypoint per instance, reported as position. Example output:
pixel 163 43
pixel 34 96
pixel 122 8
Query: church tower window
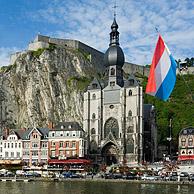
pixel 94 97
pixel 130 145
pixel 130 92
pixel 93 131
pixel 130 114
pixel 93 116
pixel 112 71
pixel 112 83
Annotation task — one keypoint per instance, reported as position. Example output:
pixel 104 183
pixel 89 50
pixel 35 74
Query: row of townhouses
pixel 36 146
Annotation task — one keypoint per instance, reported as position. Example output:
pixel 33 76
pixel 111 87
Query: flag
pixel 162 77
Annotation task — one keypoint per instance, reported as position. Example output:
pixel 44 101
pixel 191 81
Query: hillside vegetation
pixel 180 107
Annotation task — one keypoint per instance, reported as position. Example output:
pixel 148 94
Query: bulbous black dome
pixel 114 56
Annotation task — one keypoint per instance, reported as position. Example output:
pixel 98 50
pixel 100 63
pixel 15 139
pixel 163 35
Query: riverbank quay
pixel 11 179
pixel 114 181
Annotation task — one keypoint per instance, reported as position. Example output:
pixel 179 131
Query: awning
pixel 69 161
pixel 10 161
pixel 186 157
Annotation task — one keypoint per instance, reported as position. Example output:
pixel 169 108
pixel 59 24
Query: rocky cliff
pixel 45 85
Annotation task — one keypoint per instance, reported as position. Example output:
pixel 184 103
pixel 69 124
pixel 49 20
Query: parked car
pixel 148 177
pixel 35 174
pixel 20 173
pixel 173 177
pixel 191 177
pixel 108 176
pixel 117 176
pixel 9 174
pixel 71 175
pixel 131 176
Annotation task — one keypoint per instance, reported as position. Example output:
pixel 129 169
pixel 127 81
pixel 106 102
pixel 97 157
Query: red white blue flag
pixel 162 77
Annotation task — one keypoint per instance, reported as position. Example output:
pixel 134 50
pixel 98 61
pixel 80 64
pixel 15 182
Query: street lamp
pixel 170 136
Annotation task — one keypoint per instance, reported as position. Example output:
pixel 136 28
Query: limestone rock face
pixel 45 85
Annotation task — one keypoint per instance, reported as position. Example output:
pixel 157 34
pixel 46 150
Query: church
pixel 114 112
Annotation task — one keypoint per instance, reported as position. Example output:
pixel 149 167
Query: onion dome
pixel 114 55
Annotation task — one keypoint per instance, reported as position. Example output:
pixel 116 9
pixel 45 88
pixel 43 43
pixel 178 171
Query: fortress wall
pixel 95 56
pixel 36 45
pixel 133 68
pixel 41 38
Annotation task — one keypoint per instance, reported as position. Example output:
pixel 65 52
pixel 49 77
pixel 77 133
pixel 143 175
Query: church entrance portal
pixel 110 154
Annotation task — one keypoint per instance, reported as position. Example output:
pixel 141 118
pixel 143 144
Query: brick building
pixel 67 140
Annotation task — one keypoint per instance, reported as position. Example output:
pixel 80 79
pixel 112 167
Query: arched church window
pixel 183 141
pixel 130 145
pixel 112 126
pixel 93 116
pixel 94 97
pixel 130 129
pixel 112 71
pixel 130 113
pixel 130 92
pixel 93 131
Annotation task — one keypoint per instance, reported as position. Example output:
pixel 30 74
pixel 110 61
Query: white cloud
pixel 89 22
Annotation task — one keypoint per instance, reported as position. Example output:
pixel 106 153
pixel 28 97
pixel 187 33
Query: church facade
pixel 113 111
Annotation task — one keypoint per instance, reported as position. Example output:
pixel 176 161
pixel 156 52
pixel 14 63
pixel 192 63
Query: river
pixel 82 187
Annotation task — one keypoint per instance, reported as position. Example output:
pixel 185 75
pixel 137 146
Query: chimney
pixel 50 125
pixel 6 132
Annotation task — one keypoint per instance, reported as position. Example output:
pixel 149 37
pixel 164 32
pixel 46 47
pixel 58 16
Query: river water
pixel 82 187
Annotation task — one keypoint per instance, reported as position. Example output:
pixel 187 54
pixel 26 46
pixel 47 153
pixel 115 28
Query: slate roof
pixel 67 126
pixel 187 131
pixel 42 131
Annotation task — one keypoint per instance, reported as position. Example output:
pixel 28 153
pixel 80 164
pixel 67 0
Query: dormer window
pixel 94 86
pixel 62 127
pixel 69 126
pixel 131 82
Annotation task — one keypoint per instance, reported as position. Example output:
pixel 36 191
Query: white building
pixel 113 111
pixel 11 148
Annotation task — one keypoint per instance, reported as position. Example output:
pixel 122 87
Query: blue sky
pixel 89 21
